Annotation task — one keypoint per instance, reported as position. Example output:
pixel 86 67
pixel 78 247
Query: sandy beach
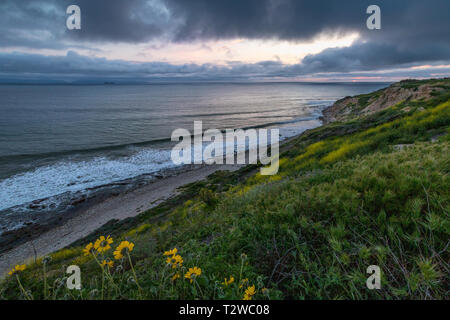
pixel 125 205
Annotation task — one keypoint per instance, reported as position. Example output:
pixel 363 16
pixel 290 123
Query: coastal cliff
pixel 366 104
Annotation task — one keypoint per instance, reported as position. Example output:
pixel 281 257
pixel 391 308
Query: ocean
pixel 58 142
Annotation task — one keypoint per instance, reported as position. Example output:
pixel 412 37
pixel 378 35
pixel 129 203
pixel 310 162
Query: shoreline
pixel 89 217
pixel 116 207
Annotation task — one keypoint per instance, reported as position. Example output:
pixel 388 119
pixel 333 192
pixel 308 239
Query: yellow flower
pixel 171 252
pixel 249 293
pixel 176 276
pixel 118 253
pixel 18 268
pixel 108 263
pixel 226 283
pixel 175 261
pixel 88 249
pixel 243 282
pixel 103 244
pixel 193 273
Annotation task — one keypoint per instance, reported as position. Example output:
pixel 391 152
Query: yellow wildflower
pixel 103 244
pixel 226 283
pixel 171 252
pixel 88 249
pixel 124 245
pixel 193 273
pixel 18 268
pixel 249 293
pixel 176 276
pixel 108 263
pixel 175 261
pixel 243 282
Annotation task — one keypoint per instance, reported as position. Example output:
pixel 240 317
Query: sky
pixel 223 40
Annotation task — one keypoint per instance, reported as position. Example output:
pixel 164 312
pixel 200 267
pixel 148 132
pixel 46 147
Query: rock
pixel 77 201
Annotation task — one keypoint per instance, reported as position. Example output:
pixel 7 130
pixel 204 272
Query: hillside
pixel 403 91
pixel 368 188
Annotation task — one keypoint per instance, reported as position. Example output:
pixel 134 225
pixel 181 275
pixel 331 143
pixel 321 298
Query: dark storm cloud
pixel 120 20
pixel 372 56
pixel 42 23
pixel 141 20
pixel 282 19
pixel 300 19
pixel 413 32
pixel 30 24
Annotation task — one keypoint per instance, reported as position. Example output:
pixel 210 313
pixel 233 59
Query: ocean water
pixel 65 139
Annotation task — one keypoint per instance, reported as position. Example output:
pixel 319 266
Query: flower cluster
pixel 176 276
pixel 103 244
pixel 173 259
pixel 108 263
pixel 17 269
pixel 172 252
pixel 243 283
pixel 88 249
pixel 123 247
pixel 193 273
pixel 227 282
pixel 249 293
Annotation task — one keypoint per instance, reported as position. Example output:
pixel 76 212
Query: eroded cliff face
pixel 351 107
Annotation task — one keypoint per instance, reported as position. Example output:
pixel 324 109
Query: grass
pixel 370 191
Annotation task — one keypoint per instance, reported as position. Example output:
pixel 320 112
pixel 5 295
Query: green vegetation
pixel 412 84
pixel 370 191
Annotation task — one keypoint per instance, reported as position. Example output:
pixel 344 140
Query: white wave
pixel 69 176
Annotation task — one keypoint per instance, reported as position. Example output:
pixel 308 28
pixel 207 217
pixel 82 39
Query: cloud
pixel 413 32
pixel 372 56
pixel 42 23
pixel 73 67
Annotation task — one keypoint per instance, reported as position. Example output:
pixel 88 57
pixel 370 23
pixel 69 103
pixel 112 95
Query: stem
pixel 45 281
pixel 103 271
pixel 161 283
pixel 103 278
pixel 103 282
pixel 22 289
pixel 98 262
pixel 240 274
pixel 111 280
pixel 200 289
pixel 134 273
